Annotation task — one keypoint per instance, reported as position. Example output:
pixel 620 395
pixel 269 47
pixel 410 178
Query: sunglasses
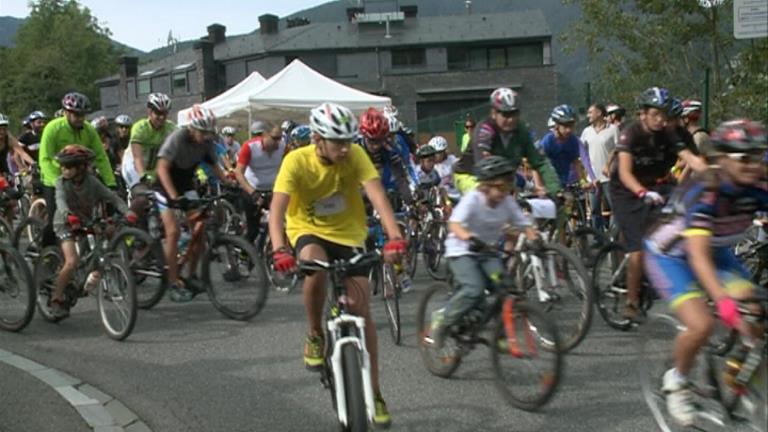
pixel 746 158
pixel 276 137
pixel 508 114
pixel 123 127
pixel 160 113
pixel 468 126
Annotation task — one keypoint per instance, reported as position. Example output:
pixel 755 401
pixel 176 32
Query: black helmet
pixel 426 150
pixel 739 136
pixel 655 97
pixel 76 102
pixel 493 167
pixel 74 154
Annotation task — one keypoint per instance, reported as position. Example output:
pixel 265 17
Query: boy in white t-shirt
pixel 478 220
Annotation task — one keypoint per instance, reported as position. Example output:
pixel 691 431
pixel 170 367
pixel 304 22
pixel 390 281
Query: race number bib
pixel 331 205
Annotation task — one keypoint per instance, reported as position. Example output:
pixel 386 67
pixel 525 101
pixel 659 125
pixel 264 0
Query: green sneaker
pixel 381 418
pixel 314 347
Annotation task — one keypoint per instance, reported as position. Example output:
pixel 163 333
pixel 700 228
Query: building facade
pixel 431 67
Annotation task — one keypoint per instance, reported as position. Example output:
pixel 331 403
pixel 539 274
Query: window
pixel 408 58
pixel 144 87
pixel 179 82
pixel 478 58
pixel 497 58
pixel 525 55
pixel 458 58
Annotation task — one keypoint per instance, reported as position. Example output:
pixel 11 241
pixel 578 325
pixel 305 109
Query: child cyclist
pixel 426 171
pixel 689 258
pixel 479 218
pixel 78 194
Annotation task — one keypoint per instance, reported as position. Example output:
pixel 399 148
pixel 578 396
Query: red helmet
pixel 373 124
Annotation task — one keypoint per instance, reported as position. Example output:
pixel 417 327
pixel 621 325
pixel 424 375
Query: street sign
pixel 750 19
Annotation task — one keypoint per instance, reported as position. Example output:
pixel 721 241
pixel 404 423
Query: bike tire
pixel 351 364
pixel 6 232
pixel 445 361
pixel 38 209
pixel 586 243
pixel 390 293
pixel 15 283
pixel 280 282
pixel 534 327
pixel 117 284
pixel 413 251
pixel 609 298
pixel 28 239
pixel 47 267
pixel 144 256
pixel 246 297
pixel 434 249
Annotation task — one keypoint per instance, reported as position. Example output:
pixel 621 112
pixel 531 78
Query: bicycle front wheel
pixel 234 275
pixel 116 300
pixel 525 355
pixel 47 266
pixel 28 238
pixel 391 294
pixel 17 290
pixel 609 283
pixel 434 249
pixel 354 394
pixel 144 256
pixel 443 361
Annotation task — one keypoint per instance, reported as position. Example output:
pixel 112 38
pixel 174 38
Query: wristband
pixel 283 249
pixel 641 193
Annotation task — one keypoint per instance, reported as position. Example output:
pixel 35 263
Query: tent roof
pixel 234 99
pixel 300 87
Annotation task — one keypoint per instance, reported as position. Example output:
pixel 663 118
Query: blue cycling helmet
pixel 301 134
pixel 563 114
pixel 675 107
pixel 655 97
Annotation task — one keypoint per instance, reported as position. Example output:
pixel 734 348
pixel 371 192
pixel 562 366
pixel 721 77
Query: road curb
pixel 102 412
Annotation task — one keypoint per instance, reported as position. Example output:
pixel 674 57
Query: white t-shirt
pixel 484 221
pixel 128 169
pixel 600 145
pixel 445 169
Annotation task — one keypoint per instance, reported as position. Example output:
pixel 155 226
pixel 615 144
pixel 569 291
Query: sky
pixel 144 24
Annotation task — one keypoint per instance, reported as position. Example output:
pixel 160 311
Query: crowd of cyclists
pixel 680 197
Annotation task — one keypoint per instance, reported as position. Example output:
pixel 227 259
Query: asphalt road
pixel 188 368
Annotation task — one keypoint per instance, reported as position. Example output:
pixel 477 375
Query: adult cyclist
pixel 317 193
pixel 30 139
pixel 503 134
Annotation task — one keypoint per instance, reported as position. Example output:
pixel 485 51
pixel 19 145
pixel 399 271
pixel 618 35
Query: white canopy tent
pixel 299 88
pixel 232 100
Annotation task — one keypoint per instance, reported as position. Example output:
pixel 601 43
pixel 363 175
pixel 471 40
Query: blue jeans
pixel 471 275
pixel 598 222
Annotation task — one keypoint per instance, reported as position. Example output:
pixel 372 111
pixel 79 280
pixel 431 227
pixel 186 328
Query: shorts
pixel 633 217
pixel 162 200
pixel 464 182
pixel 334 251
pixel 674 280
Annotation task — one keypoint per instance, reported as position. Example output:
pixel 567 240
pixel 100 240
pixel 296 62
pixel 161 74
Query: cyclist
pixel 691 115
pixel 600 138
pixel 257 166
pixel 287 127
pixel 478 218
pixel 30 139
pixel 123 125
pixel 616 115
pixel 565 150
pixel 401 141
pixel 469 129
pixel 444 162
pixel 503 134
pixel 147 135
pixel 689 258
pixel 675 124
pixel 646 150
pixel 102 128
pixel 374 128
pixel 58 133
pixel 177 161
pixel 317 192
pixel 78 195
pixel 427 171
pixel 232 146
pixel 9 146
pixel 301 136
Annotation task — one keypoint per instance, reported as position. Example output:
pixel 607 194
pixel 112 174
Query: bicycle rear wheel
pixel 391 294
pixel 434 249
pixel 144 256
pixel 234 275
pixel 116 299
pixel 441 362
pixel 357 417
pixel 526 355
pixel 609 282
pixel 17 290
pixel 27 239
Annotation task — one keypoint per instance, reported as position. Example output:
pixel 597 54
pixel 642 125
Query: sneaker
pixel 679 404
pixel 438 329
pixel 314 346
pixel 195 285
pixel 58 309
pixel 381 417
pixel 179 294
pixel 631 312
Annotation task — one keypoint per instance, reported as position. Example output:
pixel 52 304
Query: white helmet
pixel 551 123
pixel 332 121
pixel 439 143
pixel 3 120
pixel 123 120
pixel 390 110
pixel 202 118
pixel 159 102
pixel 228 130
pixel 394 123
pixel 258 127
pixel 504 99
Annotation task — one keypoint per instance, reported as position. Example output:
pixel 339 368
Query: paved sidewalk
pixel 28 404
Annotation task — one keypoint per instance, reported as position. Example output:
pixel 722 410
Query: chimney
pixel 128 68
pixel 217 33
pixel 268 24
pixel 468 5
pixel 207 71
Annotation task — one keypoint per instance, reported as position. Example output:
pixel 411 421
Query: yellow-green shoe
pixel 313 352
pixel 381 418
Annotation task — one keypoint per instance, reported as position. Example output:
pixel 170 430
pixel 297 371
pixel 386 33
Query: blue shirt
pixel 563 154
pixel 221 150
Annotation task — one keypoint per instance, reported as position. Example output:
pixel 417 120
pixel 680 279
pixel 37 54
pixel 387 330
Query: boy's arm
pixel 107 195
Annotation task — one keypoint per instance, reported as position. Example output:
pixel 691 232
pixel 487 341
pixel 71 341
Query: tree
pixel 60 48
pixel 635 44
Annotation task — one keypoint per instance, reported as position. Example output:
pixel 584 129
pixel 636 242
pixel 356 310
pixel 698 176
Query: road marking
pixel 99 410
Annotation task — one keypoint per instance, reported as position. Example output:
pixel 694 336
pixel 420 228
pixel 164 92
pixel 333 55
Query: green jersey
pixel 150 140
pixel 58 133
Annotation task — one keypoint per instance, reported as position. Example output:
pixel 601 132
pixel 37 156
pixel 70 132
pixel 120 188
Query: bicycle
pixel 385 276
pixel 116 290
pixel 346 371
pixel 17 290
pixel 729 390
pixel 283 282
pixel 517 332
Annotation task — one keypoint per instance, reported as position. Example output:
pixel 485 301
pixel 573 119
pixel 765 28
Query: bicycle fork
pixel 334 327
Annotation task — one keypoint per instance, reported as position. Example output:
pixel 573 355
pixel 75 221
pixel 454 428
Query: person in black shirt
pixel 647 150
pixel 30 139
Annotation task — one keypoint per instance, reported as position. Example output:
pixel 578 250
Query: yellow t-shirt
pixel 326 200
